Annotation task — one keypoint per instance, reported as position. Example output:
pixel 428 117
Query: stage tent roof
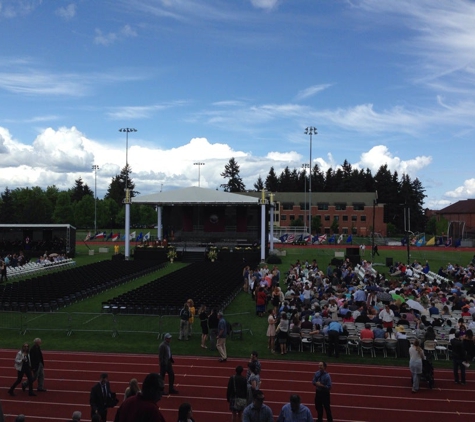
pixel 195 196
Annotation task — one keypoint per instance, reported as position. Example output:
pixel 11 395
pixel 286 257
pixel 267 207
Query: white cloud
pixel 13 8
pixel 110 38
pixel 467 190
pixel 311 91
pixel 265 4
pixel 68 12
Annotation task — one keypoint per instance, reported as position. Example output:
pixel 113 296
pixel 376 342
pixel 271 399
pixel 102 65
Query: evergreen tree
pixel 231 172
pixel 259 185
pixel 116 189
pixel 272 182
pixel 79 190
pixel 63 211
pixel 7 207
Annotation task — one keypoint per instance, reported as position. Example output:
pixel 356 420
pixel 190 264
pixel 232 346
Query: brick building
pixel 352 210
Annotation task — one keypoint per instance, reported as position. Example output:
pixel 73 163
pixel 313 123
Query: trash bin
pixel 389 262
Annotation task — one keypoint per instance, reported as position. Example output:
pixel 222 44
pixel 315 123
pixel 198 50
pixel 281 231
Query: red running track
pixel 360 393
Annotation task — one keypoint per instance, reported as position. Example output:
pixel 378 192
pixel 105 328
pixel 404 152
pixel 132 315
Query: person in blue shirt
pixel 257 411
pixel 221 338
pixel 334 331
pixel 323 384
pixel 295 411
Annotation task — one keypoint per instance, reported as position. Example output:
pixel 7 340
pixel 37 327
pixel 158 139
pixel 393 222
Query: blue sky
pixel 385 82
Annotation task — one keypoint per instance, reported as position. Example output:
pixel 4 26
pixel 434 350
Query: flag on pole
pixel 139 237
pixel 322 238
pixel 146 237
pixel 340 238
pixel 349 239
pixel 109 237
pixel 115 237
pixel 132 235
pixel 100 235
pixel 88 237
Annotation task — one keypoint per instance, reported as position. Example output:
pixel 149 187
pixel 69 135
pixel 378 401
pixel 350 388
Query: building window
pixel 354 230
pixel 345 218
pixel 301 217
pixel 327 218
pixel 322 206
pixel 363 218
pixel 336 218
pixel 283 217
pixel 354 218
pixel 291 217
pixel 344 230
pixel 276 206
pixel 358 206
pixel 327 230
pixel 276 218
pixel 288 206
pixel 340 207
pixel 304 205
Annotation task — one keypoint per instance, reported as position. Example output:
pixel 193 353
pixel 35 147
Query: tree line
pixel 76 205
pixel 397 193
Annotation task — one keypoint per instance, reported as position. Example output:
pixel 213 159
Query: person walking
pixel 323 384
pixel 236 394
pixel 166 363
pixel 221 337
pixel 416 356
pixel 458 358
pixel 191 320
pixel 37 366
pixel 23 367
pixel 203 316
pixel 101 398
pixel 295 411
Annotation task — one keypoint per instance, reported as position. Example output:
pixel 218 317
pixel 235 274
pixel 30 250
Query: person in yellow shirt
pixel 192 310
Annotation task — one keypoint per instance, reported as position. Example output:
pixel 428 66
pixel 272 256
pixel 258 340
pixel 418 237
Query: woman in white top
pixel 416 354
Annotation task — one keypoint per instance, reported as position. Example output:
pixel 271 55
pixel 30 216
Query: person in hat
pixel 400 332
pixel 102 397
pixel 166 363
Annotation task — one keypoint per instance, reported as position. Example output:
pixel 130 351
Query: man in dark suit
pixel 166 363
pixel 101 398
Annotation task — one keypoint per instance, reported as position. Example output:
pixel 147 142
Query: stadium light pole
pixel 199 172
pixel 127 199
pixel 305 167
pixel 95 167
pixel 310 130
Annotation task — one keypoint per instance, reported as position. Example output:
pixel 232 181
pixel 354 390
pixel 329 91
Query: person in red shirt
pixel 367 333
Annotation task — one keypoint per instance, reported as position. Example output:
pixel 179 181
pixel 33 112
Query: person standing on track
pixel 323 384
pixel 23 367
pixel 37 366
pixel 166 363
pixel 295 411
pixel 221 338
pixel 257 411
pixel 102 397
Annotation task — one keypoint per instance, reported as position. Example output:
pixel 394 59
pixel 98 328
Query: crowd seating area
pixel 214 284
pixel 35 267
pixel 52 291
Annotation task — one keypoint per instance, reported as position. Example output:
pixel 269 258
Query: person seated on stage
pixel 366 333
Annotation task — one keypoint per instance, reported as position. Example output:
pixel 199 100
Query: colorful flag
pixel 284 237
pixel 146 237
pixel 340 238
pixel 349 239
pixel 109 236
pixel 100 235
pixel 139 237
pixel 132 235
pixel 88 237
pixel 322 238
pixel 115 237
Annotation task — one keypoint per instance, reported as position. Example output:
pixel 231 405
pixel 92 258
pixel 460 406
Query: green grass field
pixel 82 326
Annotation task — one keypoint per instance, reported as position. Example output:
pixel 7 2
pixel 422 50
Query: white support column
pixel 127 224
pixel 271 222
pixel 159 223
pixel 263 226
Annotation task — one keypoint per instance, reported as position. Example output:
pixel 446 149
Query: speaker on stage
pixel 118 257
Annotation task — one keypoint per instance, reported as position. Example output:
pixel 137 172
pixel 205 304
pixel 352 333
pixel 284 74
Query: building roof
pixel 466 206
pixel 195 196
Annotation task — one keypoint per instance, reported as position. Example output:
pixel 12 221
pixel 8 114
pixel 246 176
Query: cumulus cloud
pixel 467 190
